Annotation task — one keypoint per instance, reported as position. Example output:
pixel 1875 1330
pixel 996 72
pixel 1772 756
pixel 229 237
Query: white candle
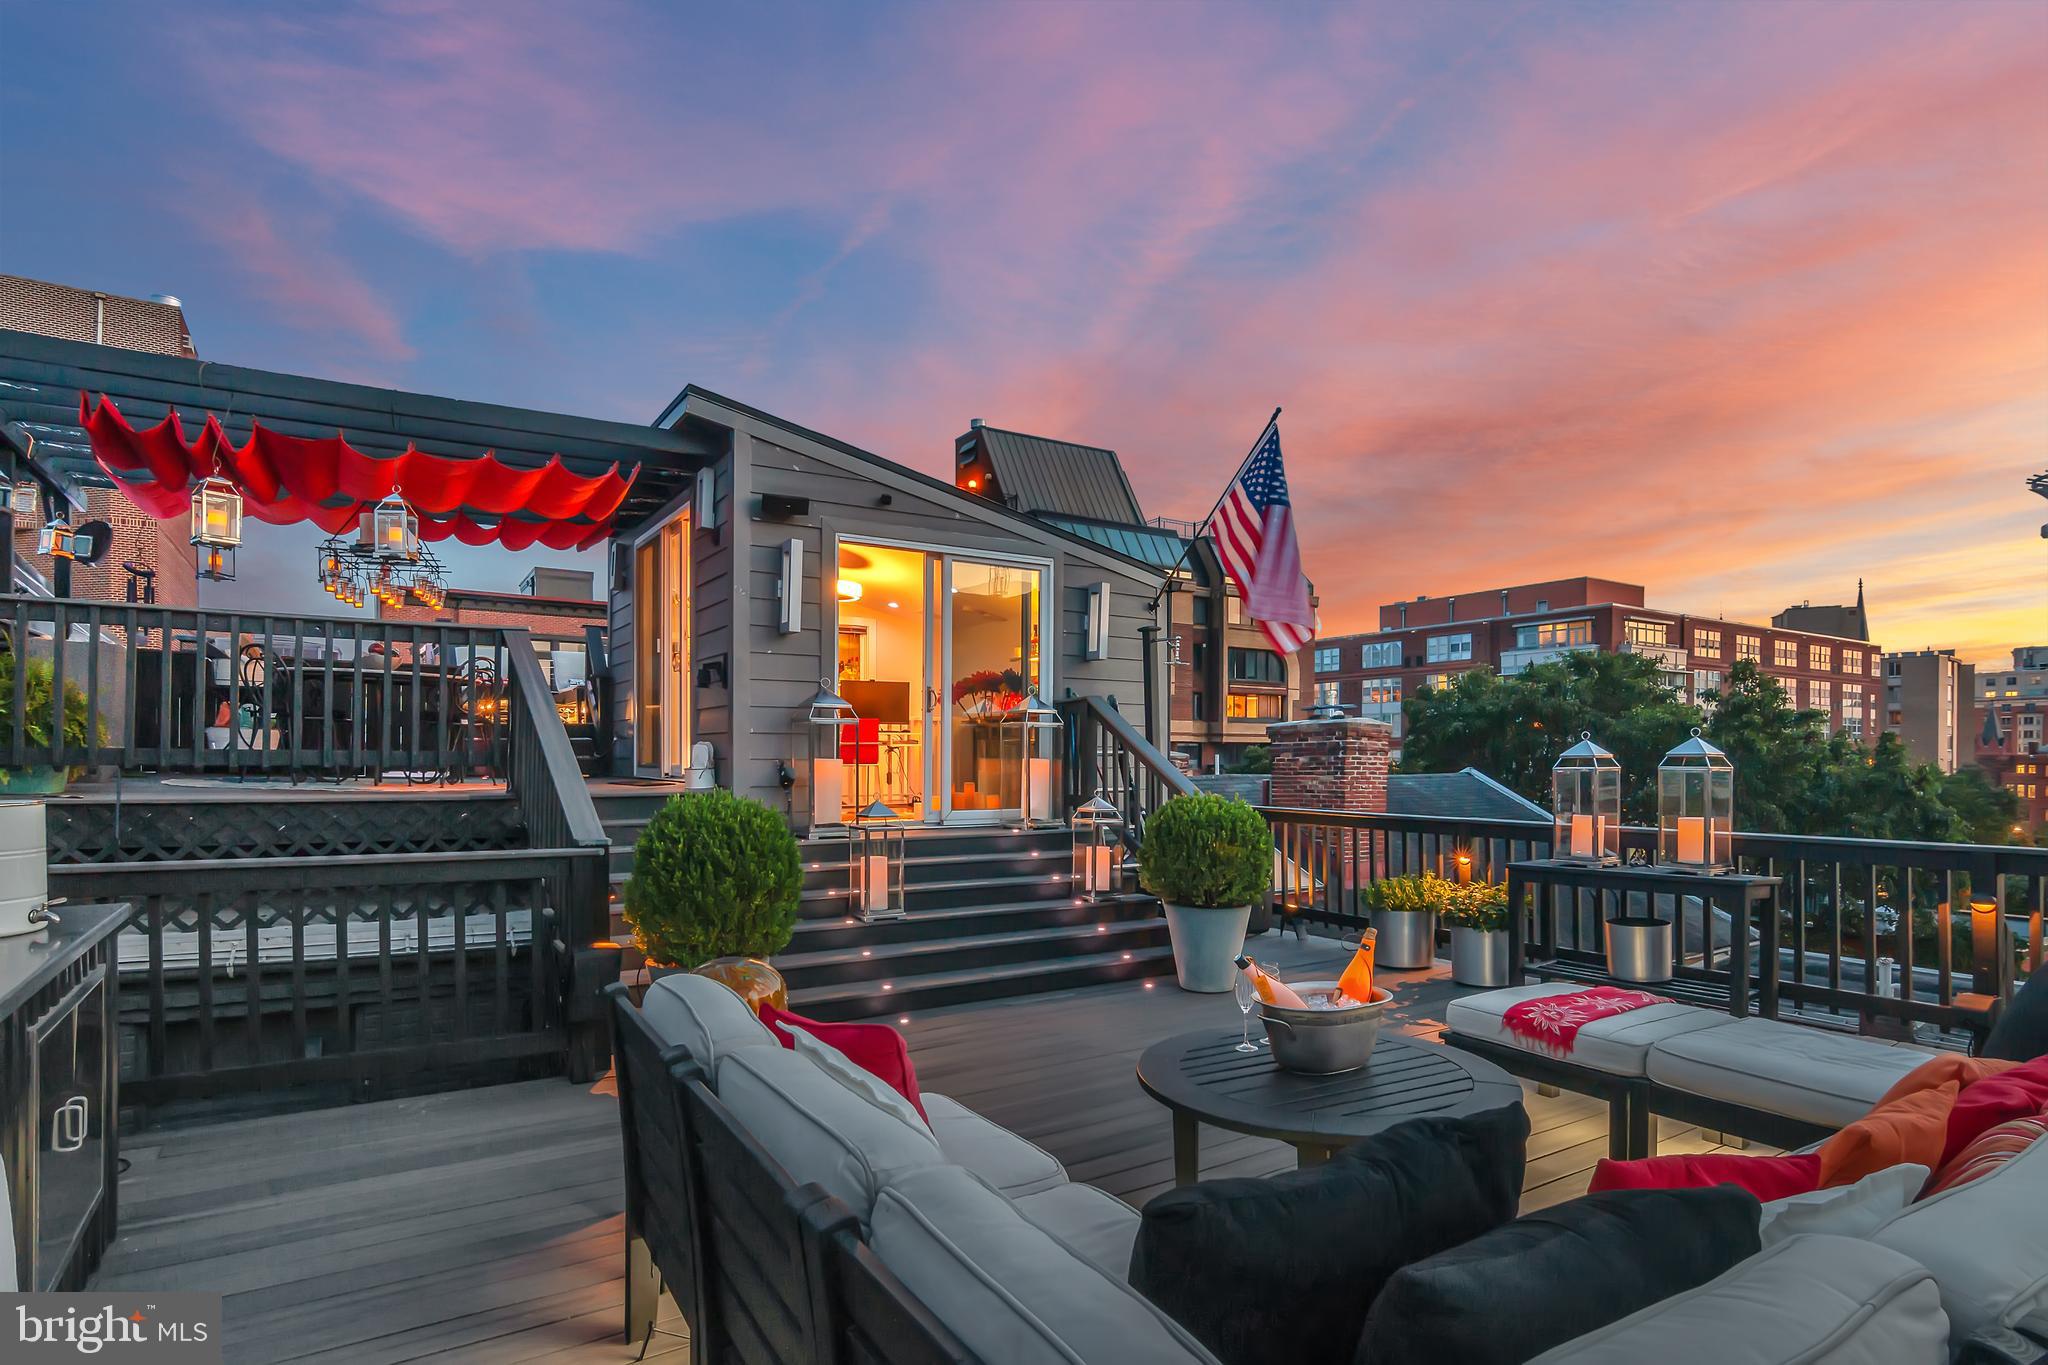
pixel 1692 839
pixel 1040 782
pixel 874 883
pixel 828 792
pixel 1099 865
pixel 1585 835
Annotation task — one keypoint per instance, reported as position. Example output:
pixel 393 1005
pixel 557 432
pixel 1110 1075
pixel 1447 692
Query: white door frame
pixel 672 598
pixel 938 746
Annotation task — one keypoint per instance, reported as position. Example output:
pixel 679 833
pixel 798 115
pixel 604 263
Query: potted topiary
pixel 37 691
pixel 714 890
pixel 1477 913
pixel 1404 911
pixel 1207 858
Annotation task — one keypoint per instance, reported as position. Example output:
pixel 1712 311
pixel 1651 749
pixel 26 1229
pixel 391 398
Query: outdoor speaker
pixel 782 507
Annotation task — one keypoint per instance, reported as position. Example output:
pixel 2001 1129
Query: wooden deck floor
pixel 483 1226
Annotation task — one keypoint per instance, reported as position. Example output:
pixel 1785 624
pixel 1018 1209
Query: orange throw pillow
pixel 1950 1066
pixel 1912 1127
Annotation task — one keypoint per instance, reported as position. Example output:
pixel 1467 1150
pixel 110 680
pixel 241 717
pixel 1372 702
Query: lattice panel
pixel 159 831
pixel 228 914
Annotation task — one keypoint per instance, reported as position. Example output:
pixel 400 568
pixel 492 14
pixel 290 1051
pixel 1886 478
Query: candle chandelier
pixel 387 561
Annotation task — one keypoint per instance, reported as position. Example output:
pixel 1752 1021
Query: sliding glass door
pixel 991 621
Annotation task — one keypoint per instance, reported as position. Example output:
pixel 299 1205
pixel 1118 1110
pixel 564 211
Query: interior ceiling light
pixel 849 590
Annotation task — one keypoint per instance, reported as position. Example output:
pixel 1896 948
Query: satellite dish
pixel 95 538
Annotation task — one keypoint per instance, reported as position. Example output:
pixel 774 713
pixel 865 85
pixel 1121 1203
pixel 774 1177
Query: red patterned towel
pixel 1553 1022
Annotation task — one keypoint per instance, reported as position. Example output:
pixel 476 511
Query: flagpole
pixel 1166 587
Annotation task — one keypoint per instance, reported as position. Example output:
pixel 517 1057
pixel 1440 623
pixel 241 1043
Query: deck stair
pixel 990 912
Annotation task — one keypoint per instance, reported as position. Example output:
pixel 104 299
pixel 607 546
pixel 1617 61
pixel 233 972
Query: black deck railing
pixel 169 689
pixel 1929 933
pixel 1106 754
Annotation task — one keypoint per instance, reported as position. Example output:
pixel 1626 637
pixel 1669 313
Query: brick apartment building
pixel 143 554
pixel 1929 703
pixel 556 607
pixel 1426 641
pixel 2011 704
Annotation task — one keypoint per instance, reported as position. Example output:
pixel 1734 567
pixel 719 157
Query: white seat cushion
pixel 704 1016
pixel 1011 1292
pixel 1987 1244
pixel 1619 1043
pixel 817 1128
pixel 1791 1069
pixel 1006 1161
pixel 1843 1210
pixel 1805 1301
pixel 1097 1224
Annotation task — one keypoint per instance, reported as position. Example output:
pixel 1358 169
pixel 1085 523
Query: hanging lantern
pixel 1585 803
pixel 58 540
pixel 1098 843
pixel 1696 808
pixel 24 499
pixel 1030 727
pixel 216 527
pixel 395 529
pixel 875 860
pixel 828 718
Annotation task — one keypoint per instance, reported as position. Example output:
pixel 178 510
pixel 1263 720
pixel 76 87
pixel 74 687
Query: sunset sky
pixel 1737 301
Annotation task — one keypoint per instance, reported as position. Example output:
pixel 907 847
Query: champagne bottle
pixel 1272 990
pixel 1356 982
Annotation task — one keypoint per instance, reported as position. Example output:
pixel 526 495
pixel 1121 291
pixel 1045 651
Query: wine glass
pixel 1246 994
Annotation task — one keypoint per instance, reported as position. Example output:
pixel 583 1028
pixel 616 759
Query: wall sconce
pixel 789 589
pixel 24 499
pixel 59 541
pixel 705 504
pixel 1095 643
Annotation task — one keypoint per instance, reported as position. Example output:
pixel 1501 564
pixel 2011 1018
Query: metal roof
pixel 1059 478
pixel 41 378
pixel 1147 544
pixel 1465 795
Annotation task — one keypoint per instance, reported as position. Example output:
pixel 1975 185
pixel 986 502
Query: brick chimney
pixel 1335 764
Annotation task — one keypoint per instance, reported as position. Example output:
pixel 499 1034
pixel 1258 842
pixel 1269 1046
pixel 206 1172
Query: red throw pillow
pixel 2018 1093
pixel 1766 1177
pixel 875 1048
pixel 1993 1148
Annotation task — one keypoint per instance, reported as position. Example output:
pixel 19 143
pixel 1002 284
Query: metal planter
pixel 1479 957
pixel 1407 939
pixel 1639 949
pixel 1206 945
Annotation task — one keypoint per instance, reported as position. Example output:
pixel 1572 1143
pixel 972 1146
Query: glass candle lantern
pixel 1696 808
pixel 874 861
pixel 395 529
pixel 1034 727
pixel 828 719
pixel 1585 803
pixel 1098 847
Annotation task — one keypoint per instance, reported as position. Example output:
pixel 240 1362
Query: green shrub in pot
pixel 1477 915
pixel 1412 893
pixel 38 692
pixel 1404 910
pixel 714 876
pixel 1208 858
pixel 1480 905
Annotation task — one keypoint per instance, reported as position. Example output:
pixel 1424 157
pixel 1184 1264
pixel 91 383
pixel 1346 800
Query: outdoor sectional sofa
pixel 793 1226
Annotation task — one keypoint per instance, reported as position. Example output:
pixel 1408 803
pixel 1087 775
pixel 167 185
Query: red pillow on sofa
pixel 875 1048
pixel 1766 1177
pixel 2019 1093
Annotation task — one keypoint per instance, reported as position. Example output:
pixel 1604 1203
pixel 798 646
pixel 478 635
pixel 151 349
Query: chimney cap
pixel 974 424
pixel 168 300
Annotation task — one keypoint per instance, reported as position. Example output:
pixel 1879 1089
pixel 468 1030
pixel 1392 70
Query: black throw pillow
pixel 1544 1279
pixel 1284 1268
pixel 2021 1033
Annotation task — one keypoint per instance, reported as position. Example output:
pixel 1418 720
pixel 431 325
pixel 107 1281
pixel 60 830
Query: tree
pixel 1513 729
pixel 1791 775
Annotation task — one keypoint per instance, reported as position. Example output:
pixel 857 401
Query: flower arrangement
pixel 989 692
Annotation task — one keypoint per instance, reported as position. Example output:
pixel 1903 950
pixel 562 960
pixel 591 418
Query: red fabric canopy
pixel 325 480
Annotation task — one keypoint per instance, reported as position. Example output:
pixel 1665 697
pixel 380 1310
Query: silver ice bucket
pixel 1319 1042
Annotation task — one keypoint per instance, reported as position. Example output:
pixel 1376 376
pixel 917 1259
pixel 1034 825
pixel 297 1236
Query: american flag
pixel 1254 531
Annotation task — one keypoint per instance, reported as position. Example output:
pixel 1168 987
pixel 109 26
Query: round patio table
pixel 1201 1078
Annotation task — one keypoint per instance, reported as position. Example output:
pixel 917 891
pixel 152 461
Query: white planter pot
pixel 1206 945
pixel 24 867
pixel 1479 957
pixel 1407 939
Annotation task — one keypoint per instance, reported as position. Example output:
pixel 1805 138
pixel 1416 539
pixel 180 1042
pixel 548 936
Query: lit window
pixel 1380 654
pixel 1554 635
pixel 1326 693
pixel 1750 647
pixel 1707 642
pixel 1437 682
pixel 1820 658
pixel 1254 705
pixel 1445 648
pixel 1785 653
pixel 1329 659
pixel 1852 662
pixel 1231 610
pixel 1875 660
pixel 1648 632
pixel 1379 691
pixel 1820 696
